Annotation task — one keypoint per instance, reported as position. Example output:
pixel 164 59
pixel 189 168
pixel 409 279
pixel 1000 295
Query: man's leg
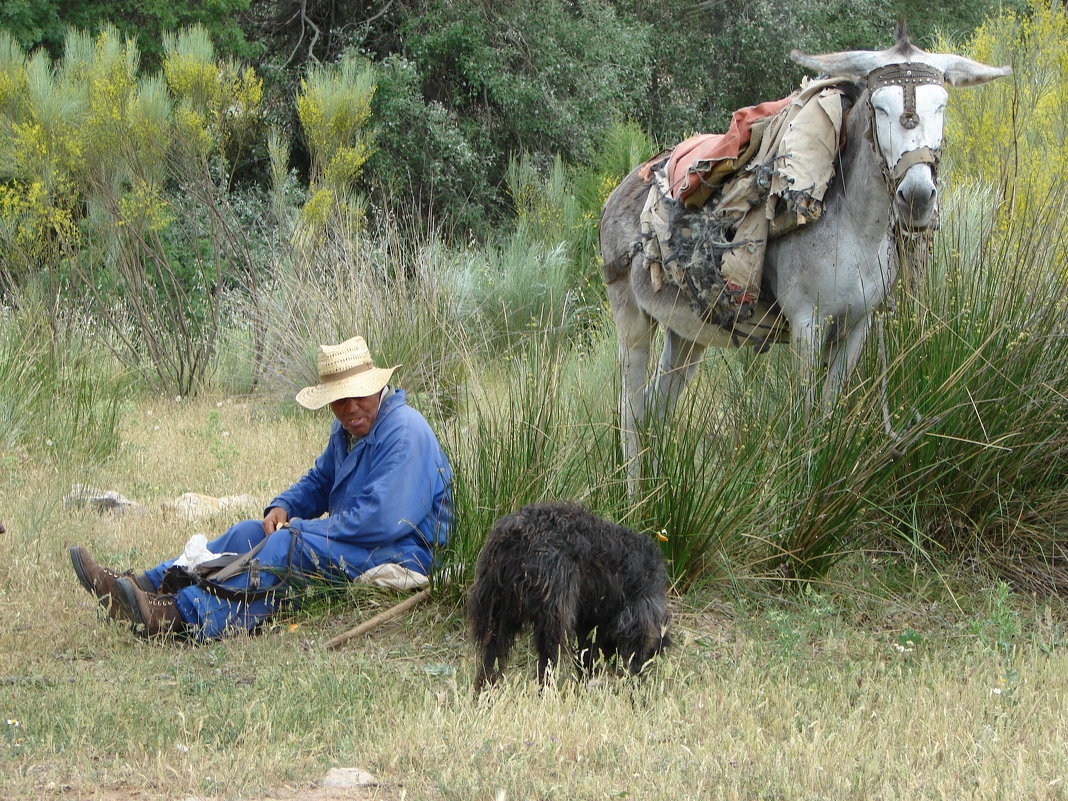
pixel 285 558
pixel 240 538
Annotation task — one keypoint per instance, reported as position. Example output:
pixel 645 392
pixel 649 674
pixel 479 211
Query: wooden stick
pixel 379 619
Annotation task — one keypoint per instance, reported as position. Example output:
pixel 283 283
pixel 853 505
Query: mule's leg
pixel 634 332
pixel 678 361
pixel 844 352
pixel 807 339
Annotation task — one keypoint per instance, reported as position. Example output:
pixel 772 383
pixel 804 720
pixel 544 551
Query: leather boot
pixel 153 615
pixel 101 582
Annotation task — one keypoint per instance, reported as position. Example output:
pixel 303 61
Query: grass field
pixel 883 682
pixel 843 626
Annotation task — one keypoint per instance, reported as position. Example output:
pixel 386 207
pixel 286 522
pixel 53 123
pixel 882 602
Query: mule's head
pixel 907 94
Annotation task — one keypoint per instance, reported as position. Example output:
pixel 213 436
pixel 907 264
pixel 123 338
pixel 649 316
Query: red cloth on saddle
pixel 684 178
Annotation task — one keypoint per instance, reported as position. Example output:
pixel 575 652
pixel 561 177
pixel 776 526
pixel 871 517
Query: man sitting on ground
pixel 383 483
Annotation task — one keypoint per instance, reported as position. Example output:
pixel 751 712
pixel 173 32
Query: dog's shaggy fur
pixel 577 580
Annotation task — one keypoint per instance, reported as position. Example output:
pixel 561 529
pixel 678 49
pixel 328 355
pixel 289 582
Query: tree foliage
pixel 44 23
pixel 488 80
pixel 463 85
pixel 715 56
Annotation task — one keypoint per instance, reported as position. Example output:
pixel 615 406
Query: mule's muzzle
pixel 916 198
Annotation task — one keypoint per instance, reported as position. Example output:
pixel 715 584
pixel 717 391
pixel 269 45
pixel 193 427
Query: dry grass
pixel 890 686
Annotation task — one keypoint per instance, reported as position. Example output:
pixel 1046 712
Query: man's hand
pixel 275 518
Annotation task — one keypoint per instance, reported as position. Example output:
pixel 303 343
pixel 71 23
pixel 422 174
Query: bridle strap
pixel 908 75
pixel 921 155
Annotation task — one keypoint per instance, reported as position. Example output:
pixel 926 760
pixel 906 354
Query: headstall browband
pixel 908 75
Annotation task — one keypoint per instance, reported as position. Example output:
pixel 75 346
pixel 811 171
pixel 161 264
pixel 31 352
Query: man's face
pixel 357 415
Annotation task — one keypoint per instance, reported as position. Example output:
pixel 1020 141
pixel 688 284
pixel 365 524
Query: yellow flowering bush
pixel 334 106
pixel 144 208
pixel 191 131
pixel 87 140
pixel 108 81
pixel 243 89
pixel 190 69
pixel 317 211
pixel 151 127
pixel 345 165
pixel 12 74
pixel 1012 134
pixel 28 220
pixel 220 102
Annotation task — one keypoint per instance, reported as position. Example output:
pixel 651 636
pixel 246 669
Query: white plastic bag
pixel 196 552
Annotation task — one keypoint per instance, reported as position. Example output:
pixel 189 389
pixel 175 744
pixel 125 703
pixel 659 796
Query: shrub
pixel 424 159
pixel 334 106
pixel 218 101
pixel 495 80
pixel 113 185
pixel 1014 135
pixel 982 349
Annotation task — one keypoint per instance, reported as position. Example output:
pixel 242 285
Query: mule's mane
pixel 903 46
pixel 860 151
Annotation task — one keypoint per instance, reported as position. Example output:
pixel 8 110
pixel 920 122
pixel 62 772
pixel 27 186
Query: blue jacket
pixel 387 500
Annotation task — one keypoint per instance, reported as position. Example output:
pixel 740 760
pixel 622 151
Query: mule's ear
pixel 847 64
pixel 963 72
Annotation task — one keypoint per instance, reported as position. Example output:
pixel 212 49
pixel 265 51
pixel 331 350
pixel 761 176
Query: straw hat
pixel 345 371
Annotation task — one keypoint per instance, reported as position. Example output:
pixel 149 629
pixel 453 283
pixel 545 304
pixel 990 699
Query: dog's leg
pixel 484 675
pixel 596 647
pixel 554 625
pixel 493 652
pixel 587 653
pixel 549 645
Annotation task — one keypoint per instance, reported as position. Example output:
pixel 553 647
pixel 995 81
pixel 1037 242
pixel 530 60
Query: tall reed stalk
pixel 983 345
pixel 60 397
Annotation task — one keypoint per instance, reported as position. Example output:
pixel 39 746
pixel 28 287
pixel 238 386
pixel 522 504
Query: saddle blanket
pixel 718 198
pixel 699 164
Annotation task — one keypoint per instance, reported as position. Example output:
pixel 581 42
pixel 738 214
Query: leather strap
pixel 239 564
pixel 908 75
pixel 910 158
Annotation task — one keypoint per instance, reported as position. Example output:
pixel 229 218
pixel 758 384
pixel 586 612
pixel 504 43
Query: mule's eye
pixel 880 111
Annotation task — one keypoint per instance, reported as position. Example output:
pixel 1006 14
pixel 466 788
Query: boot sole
pixel 114 604
pixel 79 570
pixel 128 601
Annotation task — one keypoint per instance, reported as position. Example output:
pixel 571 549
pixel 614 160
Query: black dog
pixel 578 580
